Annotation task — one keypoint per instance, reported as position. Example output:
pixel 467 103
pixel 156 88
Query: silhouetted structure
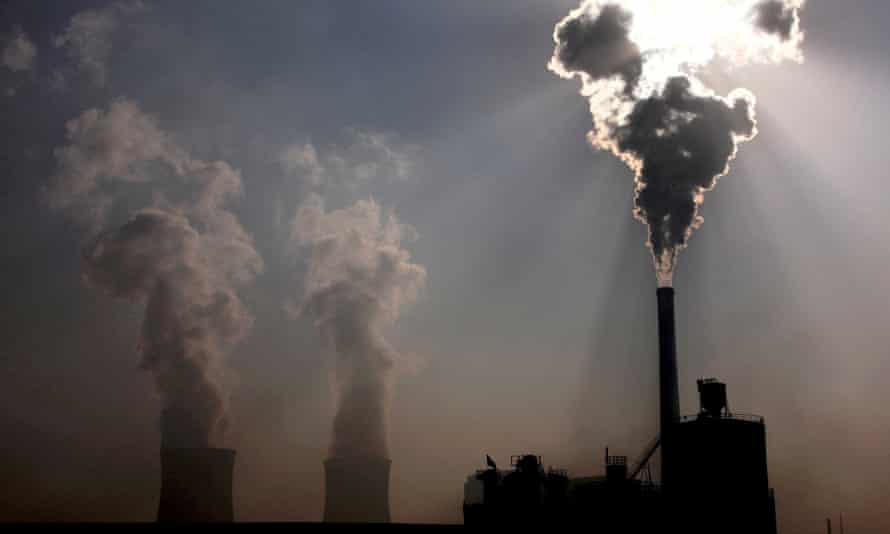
pixel 356 490
pixel 720 461
pixel 196 485
pixel 719 483
pixel 616 503
pixel 669 398
pixel 713 465
pixel 529 495
pixel 523 495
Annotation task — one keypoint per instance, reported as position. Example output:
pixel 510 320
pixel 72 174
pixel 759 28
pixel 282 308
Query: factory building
pixel 721 467
pixel 530 495
pixel 720 483
pixel 713 471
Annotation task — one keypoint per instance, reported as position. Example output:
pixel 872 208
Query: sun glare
pixel 685 35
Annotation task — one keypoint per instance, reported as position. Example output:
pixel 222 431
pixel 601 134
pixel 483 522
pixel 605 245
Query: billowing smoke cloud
pixel 182 257
pixel 88 37
pixel 359 280
pixel 600 46
pixel 777 17
pixel 638 62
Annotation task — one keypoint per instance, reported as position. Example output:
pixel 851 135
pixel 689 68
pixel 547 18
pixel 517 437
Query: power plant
pixel 713 471
pixel 713 475
pixel 196 485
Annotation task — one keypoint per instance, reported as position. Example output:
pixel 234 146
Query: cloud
pixel 183 257
pixel 302 160
pixel 359 277
pixel 362 158
pixel 359 280
pixel 599 46
pixel 19 52
pixel 778 17
pixel 105 147
pixel 683 143
pixel 638 64
pixel 88 37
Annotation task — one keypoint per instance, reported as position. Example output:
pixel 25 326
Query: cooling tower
pixel 196 485
pixel 669 400
pixel 356 490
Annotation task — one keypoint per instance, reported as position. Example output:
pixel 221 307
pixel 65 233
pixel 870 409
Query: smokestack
pixel 356 490
pixel 196 485
pixel 669 400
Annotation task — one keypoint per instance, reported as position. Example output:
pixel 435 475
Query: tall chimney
pixel 356 490
pixel 669 399
pixel 196 485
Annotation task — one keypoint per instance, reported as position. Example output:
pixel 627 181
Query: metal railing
pixel 736 416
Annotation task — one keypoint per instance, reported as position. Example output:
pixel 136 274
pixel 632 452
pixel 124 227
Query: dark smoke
pixel 775 17
pixel 684 143
pixel 358 282
pixel 651 110
pixel 181 258
pixel 600 47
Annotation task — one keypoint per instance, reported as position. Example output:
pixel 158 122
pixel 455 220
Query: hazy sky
pixel 535 331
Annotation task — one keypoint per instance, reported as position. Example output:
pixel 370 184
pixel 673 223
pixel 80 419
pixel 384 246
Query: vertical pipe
pixel 669 399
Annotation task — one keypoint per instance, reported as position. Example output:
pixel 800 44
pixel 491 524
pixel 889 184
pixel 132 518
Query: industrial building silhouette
pixel 719 483
pixel 713 471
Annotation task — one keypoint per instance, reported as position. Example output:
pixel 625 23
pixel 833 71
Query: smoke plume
pixel 87 39
pixel 638 63
pixel 358 281
pixel 365 157
pixel 183 256
pixel 18 52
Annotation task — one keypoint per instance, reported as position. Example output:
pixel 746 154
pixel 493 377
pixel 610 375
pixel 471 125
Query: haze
pixel 535 331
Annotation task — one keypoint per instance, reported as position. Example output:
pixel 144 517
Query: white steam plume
pixel 19 52
pixel 88 37
pixel 638 62
pixel 359 280
pixel 364 158
pixel 183 256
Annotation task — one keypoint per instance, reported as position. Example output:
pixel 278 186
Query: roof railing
pixel 736 416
